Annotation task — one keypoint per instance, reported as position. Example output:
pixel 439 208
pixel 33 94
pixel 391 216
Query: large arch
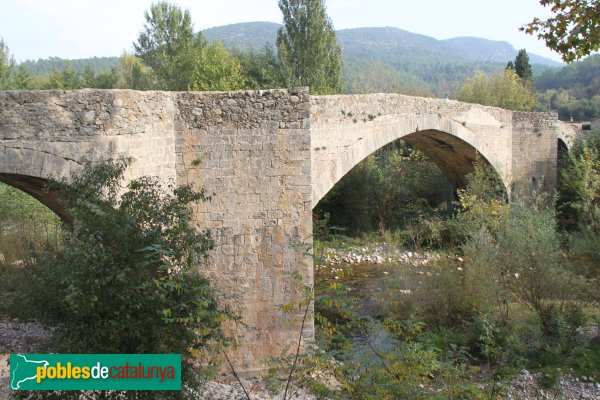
pixel 452 143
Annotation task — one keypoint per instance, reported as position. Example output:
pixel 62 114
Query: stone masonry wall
pixel 51 133
pixel 252 150
pixel 346 129
pixel 535 149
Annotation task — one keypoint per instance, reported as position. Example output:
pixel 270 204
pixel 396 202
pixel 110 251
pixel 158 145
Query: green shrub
pixel 550 377
pixel 128 278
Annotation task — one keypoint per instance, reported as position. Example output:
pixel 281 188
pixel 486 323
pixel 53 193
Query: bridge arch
pixel 35 187
pixel 453 145
pixel 29 169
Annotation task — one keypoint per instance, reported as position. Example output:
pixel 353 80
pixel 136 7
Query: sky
pixel 73 29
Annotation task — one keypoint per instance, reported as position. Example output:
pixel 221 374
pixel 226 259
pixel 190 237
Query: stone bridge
pixel 268 157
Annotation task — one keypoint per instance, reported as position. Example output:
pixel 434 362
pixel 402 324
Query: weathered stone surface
pixel 268 157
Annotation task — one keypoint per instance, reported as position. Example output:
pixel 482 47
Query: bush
pixel 127 278
pixel 26 223
pixel 579 186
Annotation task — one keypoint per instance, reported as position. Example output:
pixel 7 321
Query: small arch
pixel 35 187
pixel 561 149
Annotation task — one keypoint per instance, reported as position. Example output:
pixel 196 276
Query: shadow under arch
pixel 35 187
pixel 562 149
pixel 453 156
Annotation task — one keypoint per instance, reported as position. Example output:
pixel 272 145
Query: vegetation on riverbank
pixel 514 287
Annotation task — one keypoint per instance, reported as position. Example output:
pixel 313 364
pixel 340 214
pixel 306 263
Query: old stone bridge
pixel 269 157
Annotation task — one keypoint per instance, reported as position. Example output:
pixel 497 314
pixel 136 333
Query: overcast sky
pixel 84 28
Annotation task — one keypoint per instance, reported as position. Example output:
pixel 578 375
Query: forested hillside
pixel 573 90
pixel 412 62
pixel 46 66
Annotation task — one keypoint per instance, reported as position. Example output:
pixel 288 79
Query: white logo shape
pixel 16 386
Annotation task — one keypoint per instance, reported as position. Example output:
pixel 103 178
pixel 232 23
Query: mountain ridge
pixel 258 34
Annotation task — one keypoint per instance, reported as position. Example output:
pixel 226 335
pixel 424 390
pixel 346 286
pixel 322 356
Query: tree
pixel 522 66
pixel 106 79
pixel 260 68
pixel 66 79
pixel 128 277
pixel 573 30
pixel 579 185
pixel 307 48
pixel 506 90
pixel 7 64
pixel 168 45
pixel 217 69
pixel 88 77
pixel 22 79
pixel 134 74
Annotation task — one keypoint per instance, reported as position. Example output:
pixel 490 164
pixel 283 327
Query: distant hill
pixel 374 41
pixel 412 60
pixel 416 61
pixel 244 35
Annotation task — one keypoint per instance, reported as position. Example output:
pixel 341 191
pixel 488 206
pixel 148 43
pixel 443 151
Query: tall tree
pixel 522 66
pixel 573 30
pixel 168 45
pixel 307 47
pixel 7 64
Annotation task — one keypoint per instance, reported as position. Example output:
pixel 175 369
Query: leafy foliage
pixel 168 45
pixel 127 279
pixel 573 30
pixel 387 190
pixel 260 68
pixel 7 64
pixel 579 186
pixel 307 47
pixel 506 90
pixel 25 224
pixel 573 90
pixel 217 69
pixel 133 73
